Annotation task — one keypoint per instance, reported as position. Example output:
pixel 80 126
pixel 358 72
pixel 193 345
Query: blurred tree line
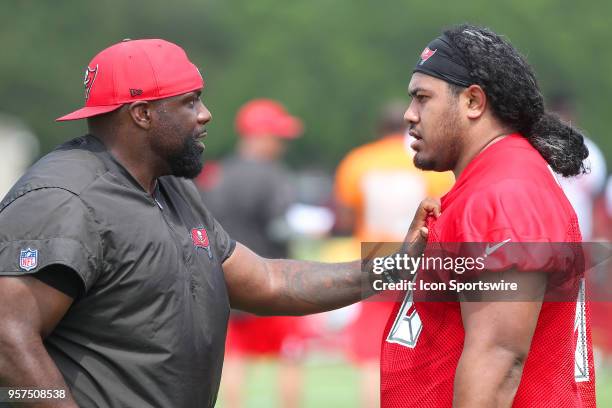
pixel 332 62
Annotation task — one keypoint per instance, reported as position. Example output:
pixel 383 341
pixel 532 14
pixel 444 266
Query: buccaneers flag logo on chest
pixel 199 236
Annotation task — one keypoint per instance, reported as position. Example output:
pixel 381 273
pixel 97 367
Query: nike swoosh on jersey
pixel 490 249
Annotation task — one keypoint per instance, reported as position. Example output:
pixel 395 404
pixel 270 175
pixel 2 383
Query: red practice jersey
pixel 507 193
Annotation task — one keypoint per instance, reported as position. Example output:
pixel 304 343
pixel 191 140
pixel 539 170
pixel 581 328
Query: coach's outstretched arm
pixel 30 310
pixel 287 287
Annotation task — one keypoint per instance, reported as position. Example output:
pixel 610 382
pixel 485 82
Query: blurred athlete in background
pixel 377 189
pixel 250 198
pixel 582 191
pixel 586 194
pixel 19 147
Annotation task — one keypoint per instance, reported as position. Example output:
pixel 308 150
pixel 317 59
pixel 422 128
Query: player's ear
pixel 475 100
pixel 141 114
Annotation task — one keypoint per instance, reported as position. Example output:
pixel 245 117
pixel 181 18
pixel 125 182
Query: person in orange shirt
pixel 377 191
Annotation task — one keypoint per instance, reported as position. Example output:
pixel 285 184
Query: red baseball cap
pixel 135 70
pixel 267 117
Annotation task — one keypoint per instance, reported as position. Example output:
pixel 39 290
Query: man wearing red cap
pixel 250 199
pixel 117 281
pixel 253 189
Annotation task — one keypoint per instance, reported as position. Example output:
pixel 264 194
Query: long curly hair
pixel 515 98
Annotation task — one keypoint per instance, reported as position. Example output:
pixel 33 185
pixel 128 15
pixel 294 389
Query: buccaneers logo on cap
pixel 90 77
pixel 426 54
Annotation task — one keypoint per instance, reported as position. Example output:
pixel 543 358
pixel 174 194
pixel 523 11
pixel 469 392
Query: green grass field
pixel 604 388
pixel 336 385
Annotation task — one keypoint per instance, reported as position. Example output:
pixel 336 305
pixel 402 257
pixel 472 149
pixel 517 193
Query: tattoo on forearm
pixel 318 285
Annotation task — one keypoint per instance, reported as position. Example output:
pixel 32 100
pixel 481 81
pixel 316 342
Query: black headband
pixel 440 59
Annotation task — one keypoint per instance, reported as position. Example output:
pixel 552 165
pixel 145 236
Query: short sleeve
pixel 222 243
pixel 519 226
pixel 47 227
pixel 518 211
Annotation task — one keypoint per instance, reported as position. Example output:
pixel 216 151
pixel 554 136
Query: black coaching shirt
pixel 149 328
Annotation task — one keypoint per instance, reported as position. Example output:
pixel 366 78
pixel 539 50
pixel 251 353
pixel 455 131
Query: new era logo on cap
pixel 144 69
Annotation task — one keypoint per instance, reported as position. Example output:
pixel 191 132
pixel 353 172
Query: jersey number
pixel 581 355
pixel 407 325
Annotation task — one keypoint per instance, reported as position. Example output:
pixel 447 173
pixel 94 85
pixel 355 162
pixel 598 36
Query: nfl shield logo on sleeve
pixel 28 259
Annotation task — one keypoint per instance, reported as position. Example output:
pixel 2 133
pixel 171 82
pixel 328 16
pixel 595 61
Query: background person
pixel 377 187
pixel 250 198
pixel 584 190
pixel 19 147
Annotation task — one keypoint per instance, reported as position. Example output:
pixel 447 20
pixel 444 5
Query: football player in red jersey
pixel 476 110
